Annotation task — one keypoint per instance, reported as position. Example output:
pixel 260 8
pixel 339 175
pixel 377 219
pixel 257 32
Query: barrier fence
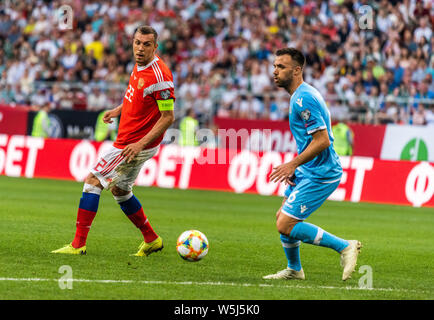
pixel 387 142
pixel 365 179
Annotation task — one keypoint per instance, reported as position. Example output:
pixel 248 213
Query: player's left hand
pixel 131 150
pixel 283 173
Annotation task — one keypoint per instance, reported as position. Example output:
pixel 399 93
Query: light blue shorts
pixel 306 196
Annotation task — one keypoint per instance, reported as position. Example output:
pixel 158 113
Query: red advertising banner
pixel 364 179
pixel 368 139
pixel 13 120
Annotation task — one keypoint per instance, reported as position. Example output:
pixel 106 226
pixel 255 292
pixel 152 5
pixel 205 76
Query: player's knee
pixel 118 192
pixel 93 181
pixel 285 224
pixel 280 209
pixel 278 213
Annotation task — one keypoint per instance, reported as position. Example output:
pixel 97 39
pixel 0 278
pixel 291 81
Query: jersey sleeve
pixel 164 92
pixel 309 111
pixel 165 99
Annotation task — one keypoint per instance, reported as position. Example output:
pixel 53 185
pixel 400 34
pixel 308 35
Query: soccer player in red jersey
pixel 146 113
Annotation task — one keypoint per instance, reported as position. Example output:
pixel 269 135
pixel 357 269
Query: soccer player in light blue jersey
pixel 312 175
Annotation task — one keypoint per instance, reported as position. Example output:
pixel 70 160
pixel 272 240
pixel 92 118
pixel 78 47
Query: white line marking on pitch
pixel 232 284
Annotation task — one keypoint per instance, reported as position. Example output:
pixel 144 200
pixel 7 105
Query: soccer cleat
pixel 145 249
pixel 69 249
pixel 287 274
pixel 349 258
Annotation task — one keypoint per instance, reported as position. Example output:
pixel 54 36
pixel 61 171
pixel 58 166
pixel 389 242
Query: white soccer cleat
pixel 349 258
pixel 287 274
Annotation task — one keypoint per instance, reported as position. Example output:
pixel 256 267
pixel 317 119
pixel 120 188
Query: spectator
pixel 429 115
pixel 40 98
pixel 419 71
pixel 188 127
pixel 418 117
pixel 343 139
pixel 105 131
pixel 69 59
pixel 423 96
pixel 358 107
pixel 424 30
pixel 370 82
pixel 260 80
pixel 97 100
pixel 189 88
pixel 388 113
pixel 46 44
pixel 231 41
pixel 27 83
pixel 41 122
pixel 6 94
pixel 88 35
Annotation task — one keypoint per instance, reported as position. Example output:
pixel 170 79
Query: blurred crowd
pixel 373 61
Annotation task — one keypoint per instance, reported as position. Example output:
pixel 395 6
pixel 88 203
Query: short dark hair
pixel 295 54
pixel 146 30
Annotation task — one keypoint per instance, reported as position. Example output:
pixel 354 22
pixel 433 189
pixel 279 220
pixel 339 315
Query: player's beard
pixel 141 61
pixel 144 58
pixel 286 83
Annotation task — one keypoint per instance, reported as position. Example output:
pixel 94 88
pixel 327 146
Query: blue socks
pixel 308 233
pixel 89 201
pixel 292 252
pixel 312 234
pixel 131 206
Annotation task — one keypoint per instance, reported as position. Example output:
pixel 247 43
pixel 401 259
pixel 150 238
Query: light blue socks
pixel 292 252
pixel 312 234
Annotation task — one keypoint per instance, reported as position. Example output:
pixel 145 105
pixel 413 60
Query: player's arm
pixel 320 142
pixel 308 111
pixel 113 113
pixel 166 119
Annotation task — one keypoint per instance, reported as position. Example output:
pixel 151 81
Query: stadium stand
pixel 221 52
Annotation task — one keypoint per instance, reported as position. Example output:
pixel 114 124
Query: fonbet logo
pixel 419 187
pixel 247 170
pixel 172 169
pixel 415 150
pixel 19 156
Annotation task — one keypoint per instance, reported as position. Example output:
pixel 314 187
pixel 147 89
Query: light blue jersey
pixel 308 113
pixel 314 181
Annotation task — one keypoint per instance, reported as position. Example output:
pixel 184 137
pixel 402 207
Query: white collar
pixel 140 68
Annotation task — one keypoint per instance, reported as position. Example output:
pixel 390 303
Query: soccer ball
pixel 192 245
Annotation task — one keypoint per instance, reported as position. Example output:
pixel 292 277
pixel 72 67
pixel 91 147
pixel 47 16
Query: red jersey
pixel 140 110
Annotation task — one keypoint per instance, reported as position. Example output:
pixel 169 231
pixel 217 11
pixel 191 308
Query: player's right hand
pixel 283 173
pixel 290 180
pixel 108 116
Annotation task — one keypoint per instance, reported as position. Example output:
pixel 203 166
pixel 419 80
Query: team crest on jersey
pixel 141 83
pixel 305 114
pixel 165 94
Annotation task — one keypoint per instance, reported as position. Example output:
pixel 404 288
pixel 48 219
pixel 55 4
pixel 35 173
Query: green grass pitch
pixel 37 216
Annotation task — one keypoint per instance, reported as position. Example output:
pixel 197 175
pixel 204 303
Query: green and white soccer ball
pixel 192 245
